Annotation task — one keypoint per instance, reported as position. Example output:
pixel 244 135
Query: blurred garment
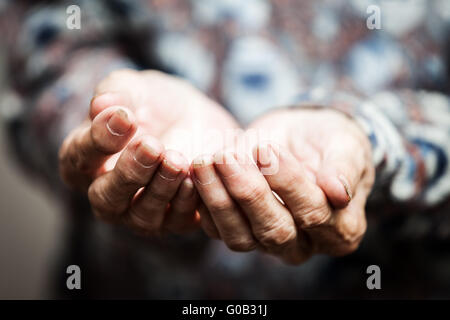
pixel 252 56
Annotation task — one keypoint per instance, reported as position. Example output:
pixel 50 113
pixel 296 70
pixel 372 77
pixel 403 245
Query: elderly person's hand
pixel 319 165
pixel 139 182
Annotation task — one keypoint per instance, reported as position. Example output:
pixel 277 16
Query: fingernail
pixel 267 159
pixel 346 186
pixel 203 170
pixel 119 123
pixel 227 164
pixel 170 168
pixel 147 155
pixel 266 156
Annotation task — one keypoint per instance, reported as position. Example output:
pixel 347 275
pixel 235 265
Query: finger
pixel 182 216
pixel 305 200
pixel 102 101
pixel 88 147
pixel 340 171
pixel 271 222
pixel 207 222
pixel 111 194
pixel 346 229
pixel 327 231
pixel 148 211
pixel 228 219
pixel 296 188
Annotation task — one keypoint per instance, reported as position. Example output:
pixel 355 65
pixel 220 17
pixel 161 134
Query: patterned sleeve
pixel 409 132
pixel 52 71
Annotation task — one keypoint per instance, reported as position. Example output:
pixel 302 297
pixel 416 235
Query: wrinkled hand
pixel 139 182
pixel 318 162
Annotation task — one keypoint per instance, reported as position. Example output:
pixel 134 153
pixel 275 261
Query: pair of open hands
pixel 159 156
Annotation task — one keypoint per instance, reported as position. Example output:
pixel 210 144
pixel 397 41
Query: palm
pixel 172 110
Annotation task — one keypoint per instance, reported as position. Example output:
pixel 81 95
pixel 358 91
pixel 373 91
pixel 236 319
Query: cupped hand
pixel 304 193
pixel 132 155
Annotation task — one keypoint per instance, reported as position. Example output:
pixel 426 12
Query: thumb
pixel 338 177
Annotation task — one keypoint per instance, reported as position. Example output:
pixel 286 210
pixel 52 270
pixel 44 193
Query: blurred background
pixel 30 225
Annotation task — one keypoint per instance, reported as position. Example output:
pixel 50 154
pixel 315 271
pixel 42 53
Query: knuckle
pixel 313 219
pixel 79 158
pixel 241 244
pixel 69 167
pixel 98 141
pixel 157 195
pixel 128 176
pixel 68 155
pixel 292 182
pixel 349 230
pixel 277 236
pixel 251 195
pixel 68 158
pixel 219 206
pixel 101 202
pixel 74 160
pixel 314 214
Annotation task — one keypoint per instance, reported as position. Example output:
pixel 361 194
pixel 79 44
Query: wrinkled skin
pixel 318 163
pixel 133 158
pixel 123 147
